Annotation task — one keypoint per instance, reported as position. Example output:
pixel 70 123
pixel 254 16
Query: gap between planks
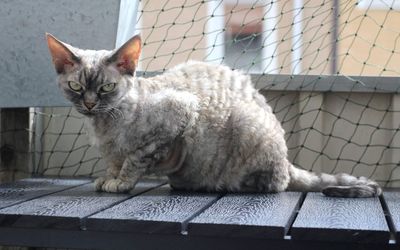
pixel 184 226
pixel 292 219
pixel 388 218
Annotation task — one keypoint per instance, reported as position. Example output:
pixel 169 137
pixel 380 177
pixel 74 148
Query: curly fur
pixel 204 126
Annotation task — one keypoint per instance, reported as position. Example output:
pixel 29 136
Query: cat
pixel 203 126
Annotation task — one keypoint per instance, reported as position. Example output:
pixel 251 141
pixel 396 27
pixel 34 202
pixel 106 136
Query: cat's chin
pixel 89 114
pixel 86 113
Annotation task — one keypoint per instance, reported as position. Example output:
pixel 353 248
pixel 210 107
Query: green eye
pixel 108 87
pixel 74 86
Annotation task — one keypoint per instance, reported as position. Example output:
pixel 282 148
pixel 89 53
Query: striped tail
pixel 339 185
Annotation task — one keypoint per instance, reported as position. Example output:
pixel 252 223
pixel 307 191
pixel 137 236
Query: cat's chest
pixel 105 135
pixel 118 137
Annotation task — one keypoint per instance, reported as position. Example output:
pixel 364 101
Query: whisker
pixel 112 115
pixel 119 112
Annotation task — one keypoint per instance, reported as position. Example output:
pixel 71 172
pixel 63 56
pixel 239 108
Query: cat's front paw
pixel 99 182
pixel 116 186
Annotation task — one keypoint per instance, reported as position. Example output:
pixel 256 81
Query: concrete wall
pixel 27 74
pixel 25 64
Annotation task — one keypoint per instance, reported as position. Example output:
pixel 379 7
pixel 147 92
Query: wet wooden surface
pixel 155 216
pixel 341 219
pixel 251 215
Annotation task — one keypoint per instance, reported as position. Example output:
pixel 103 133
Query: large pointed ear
pixel 63 58
pixel 126 58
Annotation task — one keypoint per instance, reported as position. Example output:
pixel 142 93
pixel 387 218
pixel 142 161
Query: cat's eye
pixel 74 86
pixel 108 87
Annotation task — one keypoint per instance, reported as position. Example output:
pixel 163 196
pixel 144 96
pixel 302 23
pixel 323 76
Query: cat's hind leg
pixel 267 180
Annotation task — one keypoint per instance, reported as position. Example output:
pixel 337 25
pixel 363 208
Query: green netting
pixel 328 131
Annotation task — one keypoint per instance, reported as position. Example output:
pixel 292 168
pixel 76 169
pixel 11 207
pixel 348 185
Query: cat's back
pixel 218 87
pixel 206 76
pixel 215 82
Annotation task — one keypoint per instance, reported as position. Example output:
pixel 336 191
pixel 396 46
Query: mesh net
pixel 346 130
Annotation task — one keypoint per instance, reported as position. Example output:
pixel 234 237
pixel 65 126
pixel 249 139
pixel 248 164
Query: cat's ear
pixel 126 58
pixel 63 58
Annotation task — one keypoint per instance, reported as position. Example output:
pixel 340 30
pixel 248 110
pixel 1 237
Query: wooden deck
pixel 68 213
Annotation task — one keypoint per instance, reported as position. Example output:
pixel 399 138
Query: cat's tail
pixel 339 185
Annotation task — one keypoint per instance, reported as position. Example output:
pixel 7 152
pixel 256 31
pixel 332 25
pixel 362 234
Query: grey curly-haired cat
pixel 204 126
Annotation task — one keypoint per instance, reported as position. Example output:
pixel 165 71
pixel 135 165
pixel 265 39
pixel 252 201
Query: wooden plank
pixel 392 200
pixel 248 215
pixel 66 209
pixel 27 189
pixel 119 241
pixel 341 219
pixel 159 211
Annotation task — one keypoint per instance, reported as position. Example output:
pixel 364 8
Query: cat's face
pixel 94 81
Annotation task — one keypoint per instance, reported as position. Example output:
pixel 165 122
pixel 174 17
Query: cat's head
pixel 94 80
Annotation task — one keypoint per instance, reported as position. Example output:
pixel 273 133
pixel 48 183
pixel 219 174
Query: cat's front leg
pixel 112 173
pixel 113 169
pixel 132 170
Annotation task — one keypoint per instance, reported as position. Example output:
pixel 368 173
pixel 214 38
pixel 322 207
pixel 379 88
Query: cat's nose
pixel 89 105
